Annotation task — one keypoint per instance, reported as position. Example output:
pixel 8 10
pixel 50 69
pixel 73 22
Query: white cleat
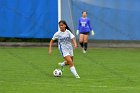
pixel 62 67
pixel 77 76
pixel 59 64
pixel 84 51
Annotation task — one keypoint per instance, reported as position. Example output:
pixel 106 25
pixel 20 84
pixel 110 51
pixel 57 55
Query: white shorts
pixel 67 52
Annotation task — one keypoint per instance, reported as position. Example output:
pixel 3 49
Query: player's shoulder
pixel 68 31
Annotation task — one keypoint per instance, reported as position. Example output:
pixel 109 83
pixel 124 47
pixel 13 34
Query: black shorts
pixel 85 33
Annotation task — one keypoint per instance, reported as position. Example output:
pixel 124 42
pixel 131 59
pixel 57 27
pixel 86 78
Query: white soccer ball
pixel 57 73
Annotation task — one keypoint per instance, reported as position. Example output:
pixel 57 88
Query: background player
pixel 84 28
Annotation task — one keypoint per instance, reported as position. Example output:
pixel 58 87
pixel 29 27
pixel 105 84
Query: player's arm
pixel 50 46
pixel 55 36
pixel 92 31
pixel 79 24
pixel 89 25
pixel 74 42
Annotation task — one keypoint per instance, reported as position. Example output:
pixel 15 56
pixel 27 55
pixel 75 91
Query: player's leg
pixel 72 67
pixel 71 54
pixel 72 58
pixel 69 60
pixel 66 53
pixel 81 36
pixel 85 45
pixel 65 62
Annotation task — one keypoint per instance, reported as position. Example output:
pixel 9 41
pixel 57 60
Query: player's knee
pixel 70 62
pixel 66 63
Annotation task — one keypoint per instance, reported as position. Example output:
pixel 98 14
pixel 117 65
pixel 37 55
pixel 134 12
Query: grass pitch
pixel 102 70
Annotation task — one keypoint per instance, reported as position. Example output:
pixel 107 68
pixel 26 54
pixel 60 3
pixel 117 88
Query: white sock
pixel 73 70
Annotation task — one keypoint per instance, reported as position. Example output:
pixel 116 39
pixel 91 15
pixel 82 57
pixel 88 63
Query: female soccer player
pixel 65 37
pixel 84 28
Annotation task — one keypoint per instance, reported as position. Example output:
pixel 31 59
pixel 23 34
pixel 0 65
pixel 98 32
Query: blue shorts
pixel 85 33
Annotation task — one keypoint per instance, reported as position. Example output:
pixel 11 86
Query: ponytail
pixel 67 27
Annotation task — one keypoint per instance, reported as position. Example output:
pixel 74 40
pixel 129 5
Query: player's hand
pixel 92 33
pixel 77 32
pixel 75 46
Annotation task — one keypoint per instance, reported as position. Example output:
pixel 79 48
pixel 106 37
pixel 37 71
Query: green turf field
pixel 102 70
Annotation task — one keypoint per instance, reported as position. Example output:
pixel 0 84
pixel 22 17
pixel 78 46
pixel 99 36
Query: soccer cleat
pixel 59 64
pixel 77 76
pixel 62 67
pixel 84 51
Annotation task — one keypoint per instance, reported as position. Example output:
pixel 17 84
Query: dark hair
pixel 84 11
pixel 64 22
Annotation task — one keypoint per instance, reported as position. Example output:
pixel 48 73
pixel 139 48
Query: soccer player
pixel 65 37
pixel 84 29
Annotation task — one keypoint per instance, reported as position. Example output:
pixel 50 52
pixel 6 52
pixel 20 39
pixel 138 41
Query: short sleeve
pixel 71 35
pixel 55 36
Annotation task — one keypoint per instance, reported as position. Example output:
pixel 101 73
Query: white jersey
pixel 64 41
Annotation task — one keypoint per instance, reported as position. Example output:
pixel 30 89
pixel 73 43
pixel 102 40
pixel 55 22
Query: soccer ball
pixel 57 73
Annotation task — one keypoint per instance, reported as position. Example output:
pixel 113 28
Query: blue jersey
pixel 84 25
